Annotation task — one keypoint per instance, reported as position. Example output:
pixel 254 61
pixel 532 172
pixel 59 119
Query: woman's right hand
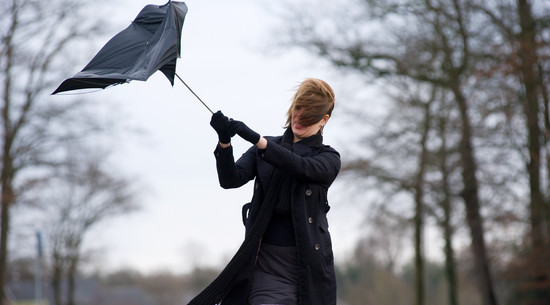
pixel 220 123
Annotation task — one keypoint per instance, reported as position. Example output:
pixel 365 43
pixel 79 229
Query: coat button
pixel 308 192
pixel 310 219
pixel 317 247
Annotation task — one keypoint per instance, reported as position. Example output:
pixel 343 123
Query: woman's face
pixel 301 131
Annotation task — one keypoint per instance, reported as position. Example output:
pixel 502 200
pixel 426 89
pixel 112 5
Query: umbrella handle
pixel 194 93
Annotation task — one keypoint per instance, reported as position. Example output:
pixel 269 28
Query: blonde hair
pixel 315 98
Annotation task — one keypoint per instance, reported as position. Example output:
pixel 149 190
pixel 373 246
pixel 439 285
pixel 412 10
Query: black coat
pixel 314 168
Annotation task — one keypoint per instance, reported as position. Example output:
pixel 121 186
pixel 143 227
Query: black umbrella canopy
pixel 150 43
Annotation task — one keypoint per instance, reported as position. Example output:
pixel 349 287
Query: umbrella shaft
pixel 194 93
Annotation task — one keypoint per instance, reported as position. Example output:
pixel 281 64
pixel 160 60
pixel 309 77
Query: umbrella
pixel 150 43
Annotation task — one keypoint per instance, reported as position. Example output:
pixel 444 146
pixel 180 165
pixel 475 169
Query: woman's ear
pixel 325 119
pixel 323 122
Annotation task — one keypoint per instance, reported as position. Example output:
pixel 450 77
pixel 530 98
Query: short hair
pixel 315 97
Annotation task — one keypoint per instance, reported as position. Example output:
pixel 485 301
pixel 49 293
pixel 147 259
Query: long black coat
pixel 314 168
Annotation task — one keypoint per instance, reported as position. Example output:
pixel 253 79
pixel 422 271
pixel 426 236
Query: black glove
pixel 244 131
pixel 220 123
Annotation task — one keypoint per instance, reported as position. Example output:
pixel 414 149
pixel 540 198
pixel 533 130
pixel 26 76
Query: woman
pixel 286 257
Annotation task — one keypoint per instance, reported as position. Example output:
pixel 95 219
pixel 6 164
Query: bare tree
pixel 82 194
pixel 37 41
pixel 406 140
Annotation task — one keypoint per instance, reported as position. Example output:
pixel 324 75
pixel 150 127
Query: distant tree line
pixel 156 288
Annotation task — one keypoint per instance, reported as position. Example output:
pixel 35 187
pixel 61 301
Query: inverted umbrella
pixel 149 44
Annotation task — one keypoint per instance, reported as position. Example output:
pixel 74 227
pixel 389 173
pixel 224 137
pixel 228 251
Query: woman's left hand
pixel 244 131
pixel 240 128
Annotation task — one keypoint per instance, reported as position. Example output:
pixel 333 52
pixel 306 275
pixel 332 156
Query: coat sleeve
pixel 233 174
pixel 321 168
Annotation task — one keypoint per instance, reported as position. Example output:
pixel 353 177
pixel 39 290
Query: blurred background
pixel 442 120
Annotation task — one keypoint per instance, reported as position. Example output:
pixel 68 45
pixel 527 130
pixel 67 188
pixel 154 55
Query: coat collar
pixel 312 141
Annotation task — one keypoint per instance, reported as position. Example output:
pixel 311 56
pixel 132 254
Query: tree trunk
pixel 418 251
pixel 7 199
pixel 74 260
pixel 527 54
pixel 71 280
pixel 419 210
pixel 4 244
pixel 6 177
pixel 450 264
pixel 57 278
pixel 546 145
pixel 546 137
pixel 471 200
pixel 528 60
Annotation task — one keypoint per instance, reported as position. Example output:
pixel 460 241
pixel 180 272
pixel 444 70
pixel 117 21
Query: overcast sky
pixel 186 217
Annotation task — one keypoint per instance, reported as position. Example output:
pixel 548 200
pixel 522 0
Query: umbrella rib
pixel 194 93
